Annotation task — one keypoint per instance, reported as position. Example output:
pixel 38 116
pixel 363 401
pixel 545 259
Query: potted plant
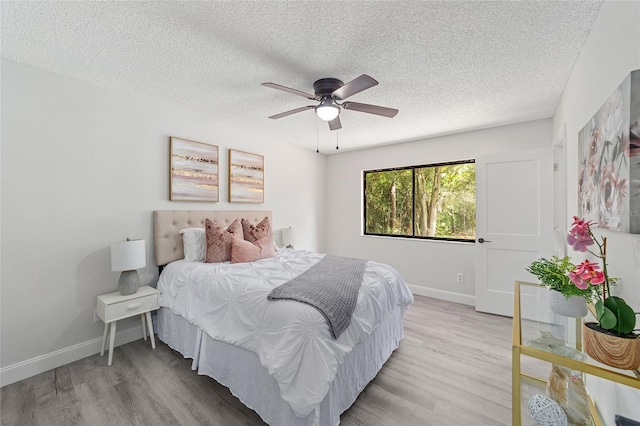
pixel 613 339
pixel 565 298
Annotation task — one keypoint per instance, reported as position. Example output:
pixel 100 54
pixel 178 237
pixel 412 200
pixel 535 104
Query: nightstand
pixel 114 306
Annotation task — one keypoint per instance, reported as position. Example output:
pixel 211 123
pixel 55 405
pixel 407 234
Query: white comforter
pixel 292 339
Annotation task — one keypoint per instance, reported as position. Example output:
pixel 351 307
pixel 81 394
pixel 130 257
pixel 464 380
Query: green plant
pixel 554 274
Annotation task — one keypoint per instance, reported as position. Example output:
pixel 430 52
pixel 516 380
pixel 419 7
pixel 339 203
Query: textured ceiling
pixel 447 66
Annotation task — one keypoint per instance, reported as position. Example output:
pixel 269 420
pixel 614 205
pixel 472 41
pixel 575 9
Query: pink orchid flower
pixel 579 235
pixel 586 273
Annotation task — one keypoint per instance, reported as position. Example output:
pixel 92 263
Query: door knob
pixel 482 240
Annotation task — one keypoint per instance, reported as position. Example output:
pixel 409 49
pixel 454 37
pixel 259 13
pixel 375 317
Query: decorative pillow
pixel 194 244
pixel 219 240
pixel 254 233
pixel 244 251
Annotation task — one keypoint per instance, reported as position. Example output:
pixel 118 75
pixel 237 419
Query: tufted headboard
pixel 167 224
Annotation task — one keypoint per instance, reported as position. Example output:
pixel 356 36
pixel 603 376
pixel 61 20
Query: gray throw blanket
pixel 331 286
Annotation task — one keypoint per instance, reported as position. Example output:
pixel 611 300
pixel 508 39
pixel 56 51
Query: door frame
pixel 560 220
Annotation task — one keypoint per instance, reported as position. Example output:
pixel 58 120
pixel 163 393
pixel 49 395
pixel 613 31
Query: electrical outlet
pixel 95 315
pixel 460 277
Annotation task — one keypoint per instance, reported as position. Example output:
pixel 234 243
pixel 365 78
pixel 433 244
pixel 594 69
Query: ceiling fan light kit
pixel 329 91
pixel 327 110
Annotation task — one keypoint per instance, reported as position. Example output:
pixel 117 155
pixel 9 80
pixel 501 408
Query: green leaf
pixel 606 317
pixel 554 274
pixel 626 318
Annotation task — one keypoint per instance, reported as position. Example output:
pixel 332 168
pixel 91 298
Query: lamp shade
pixel 128 255
pixel 287 236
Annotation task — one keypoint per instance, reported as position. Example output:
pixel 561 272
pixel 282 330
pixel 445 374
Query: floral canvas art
pixel 609 161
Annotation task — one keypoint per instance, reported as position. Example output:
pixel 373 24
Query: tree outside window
pixel 434 201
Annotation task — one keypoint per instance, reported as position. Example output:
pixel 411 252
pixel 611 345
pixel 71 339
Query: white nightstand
pixel 113 307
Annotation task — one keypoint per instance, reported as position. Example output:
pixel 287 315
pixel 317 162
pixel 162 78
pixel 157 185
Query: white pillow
pixel 194 243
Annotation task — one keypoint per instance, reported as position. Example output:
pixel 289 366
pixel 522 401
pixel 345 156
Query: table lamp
pixel 127 256
pixel 287 237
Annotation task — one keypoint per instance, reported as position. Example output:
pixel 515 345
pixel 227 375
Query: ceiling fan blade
pixel 290 90
pixel 356 85
pixel 335 124
pixel 293 111
pixel 371 109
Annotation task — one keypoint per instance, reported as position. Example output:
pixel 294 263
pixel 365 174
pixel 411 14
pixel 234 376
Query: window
pixel 434 201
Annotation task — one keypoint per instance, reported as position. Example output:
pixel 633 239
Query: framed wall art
pixel 193 174
pixel 609 161
pixel 246 177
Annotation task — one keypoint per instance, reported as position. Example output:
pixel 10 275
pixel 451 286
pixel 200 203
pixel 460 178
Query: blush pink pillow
pixel 219 240
pixel 254 233
pixel 244 251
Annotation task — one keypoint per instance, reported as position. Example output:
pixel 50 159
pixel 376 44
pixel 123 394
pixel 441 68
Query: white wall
pixel 610 53
pixel 430 267
pixel 83 167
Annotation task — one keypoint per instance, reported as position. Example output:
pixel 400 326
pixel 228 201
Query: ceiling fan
pixel 331 93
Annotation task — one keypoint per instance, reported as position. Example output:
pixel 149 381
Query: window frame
pixel 413 198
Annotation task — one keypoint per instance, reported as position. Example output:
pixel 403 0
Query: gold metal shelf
pixel 519 349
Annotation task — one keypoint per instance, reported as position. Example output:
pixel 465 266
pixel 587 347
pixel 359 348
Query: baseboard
pixel 40 364
pixel 450 296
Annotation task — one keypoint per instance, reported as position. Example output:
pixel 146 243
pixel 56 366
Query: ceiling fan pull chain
pixel 337 140
pixel 317 143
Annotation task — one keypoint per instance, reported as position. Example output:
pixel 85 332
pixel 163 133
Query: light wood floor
pixel 452 368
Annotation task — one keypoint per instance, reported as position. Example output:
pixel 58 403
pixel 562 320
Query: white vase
pixel 574 306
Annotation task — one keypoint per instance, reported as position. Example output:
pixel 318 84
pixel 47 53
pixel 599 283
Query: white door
pixel 514 226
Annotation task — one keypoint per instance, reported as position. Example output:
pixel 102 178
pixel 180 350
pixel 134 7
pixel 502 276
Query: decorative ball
pixel 546 412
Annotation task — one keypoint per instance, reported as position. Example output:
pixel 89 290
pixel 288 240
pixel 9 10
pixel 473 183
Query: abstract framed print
pixel 246 177
pixel 193 174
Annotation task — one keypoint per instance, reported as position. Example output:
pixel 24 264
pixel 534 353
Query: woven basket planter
pixel 614 351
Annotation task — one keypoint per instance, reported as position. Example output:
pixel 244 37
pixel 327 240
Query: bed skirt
pixel 240 370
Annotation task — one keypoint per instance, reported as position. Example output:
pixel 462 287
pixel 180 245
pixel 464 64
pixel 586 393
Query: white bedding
pixel 292 339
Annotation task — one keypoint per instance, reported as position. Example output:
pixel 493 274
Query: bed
pixel 277 357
